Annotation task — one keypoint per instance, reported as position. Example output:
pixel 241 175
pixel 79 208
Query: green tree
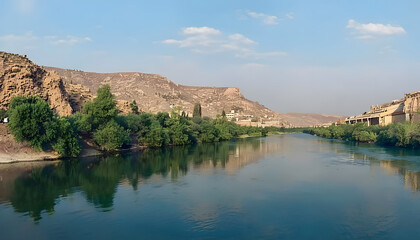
pixel 67 143
pixel 157 136
pixel 134 107
pixel 111 136
pixel 102 109
pixel 223 113
pixel 197 110
pixel 31 119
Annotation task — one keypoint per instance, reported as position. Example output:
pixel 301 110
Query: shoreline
pixel 87 151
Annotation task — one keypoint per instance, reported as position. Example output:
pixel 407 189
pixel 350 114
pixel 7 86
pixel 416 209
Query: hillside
pixel 310 119
pixel 155 93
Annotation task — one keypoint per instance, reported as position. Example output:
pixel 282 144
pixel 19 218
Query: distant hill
pixel 310 119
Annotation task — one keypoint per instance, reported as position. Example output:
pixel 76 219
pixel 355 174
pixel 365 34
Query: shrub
pixel 111 136
pixel 364 136
pixel 157 136
pixel 31 119
pixel 67 144
pixel 102 109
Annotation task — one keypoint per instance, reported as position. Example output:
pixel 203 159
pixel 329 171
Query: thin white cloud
pixel 211 40
pixel 201 30
pixel 29 40
pixel 68 40
pixel 266 19
pixel 371 30
pixel 197 37
pixel 13 38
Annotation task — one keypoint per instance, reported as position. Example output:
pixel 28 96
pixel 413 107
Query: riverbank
pixel 405 135
pixel 14 152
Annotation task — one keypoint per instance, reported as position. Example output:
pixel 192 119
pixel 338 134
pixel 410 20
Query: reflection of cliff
pixel 411 179
pixel 34 189
pixel 241 155
pixel 408 170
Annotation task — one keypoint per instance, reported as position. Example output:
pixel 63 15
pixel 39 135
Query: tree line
pixel 396 134
pixel 32 120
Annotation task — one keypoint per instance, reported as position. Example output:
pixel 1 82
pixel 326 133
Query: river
pixel 293 186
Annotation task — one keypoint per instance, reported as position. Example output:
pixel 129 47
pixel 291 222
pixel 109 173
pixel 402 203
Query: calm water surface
pixel 291 186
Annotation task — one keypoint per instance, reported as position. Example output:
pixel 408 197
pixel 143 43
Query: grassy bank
pixel 405 135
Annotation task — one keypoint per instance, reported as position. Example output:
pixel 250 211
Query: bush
pixel 364 136
pixel 67 144
pixel 31 119
pixel 101 110
pixel 157 136
pixel 111 136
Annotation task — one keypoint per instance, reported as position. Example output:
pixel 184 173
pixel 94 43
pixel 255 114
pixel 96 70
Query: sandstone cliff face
pixel 19 76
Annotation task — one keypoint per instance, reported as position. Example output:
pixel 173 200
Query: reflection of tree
pixel 39 191
pixel 98 178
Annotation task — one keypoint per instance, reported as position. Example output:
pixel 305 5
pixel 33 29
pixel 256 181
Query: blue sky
pixel 292 56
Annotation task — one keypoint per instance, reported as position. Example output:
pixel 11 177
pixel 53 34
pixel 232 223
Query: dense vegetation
pixel 397 134
pixel 32 120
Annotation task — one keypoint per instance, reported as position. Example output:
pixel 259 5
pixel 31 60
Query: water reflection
pixel 33 190
pixel 386 158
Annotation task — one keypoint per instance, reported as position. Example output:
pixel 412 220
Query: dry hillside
pixel 310 119
pixel 155 93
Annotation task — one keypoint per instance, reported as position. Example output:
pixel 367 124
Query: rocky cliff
pixel 21 77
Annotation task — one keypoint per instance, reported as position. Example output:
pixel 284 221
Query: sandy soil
pixel 11 151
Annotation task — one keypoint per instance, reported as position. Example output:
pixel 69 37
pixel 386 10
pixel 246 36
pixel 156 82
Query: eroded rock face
pixel 21 77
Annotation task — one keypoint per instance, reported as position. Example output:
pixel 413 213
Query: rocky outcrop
pixel 19 76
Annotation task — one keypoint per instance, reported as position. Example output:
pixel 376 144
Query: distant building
pixel 397 111
pixel 5 120
pixel 230 115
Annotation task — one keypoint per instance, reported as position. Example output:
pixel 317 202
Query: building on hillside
pixel 397 111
